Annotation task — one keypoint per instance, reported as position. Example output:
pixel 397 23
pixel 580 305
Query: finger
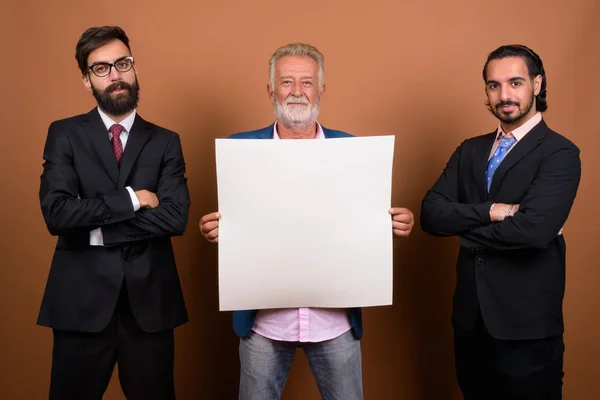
pixel 213 234
pixel 401 226
pixel 401 233
pixel 209 226
pixel 210 217
pixel 406 218
pixel 399 210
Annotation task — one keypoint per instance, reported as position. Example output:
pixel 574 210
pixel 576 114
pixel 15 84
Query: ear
pixel 487 96
pixel 322 90
pixel 271 93
pixel 537 85
pixel 86 82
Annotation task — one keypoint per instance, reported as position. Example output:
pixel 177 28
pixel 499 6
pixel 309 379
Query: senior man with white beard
pixel 329 337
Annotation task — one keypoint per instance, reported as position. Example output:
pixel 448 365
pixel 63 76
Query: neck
pixel 118 118
pixel 508 128
pixel 296 132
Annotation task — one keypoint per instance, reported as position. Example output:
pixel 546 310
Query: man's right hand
pixel 502 210
pixel 147 199
pixel 209 227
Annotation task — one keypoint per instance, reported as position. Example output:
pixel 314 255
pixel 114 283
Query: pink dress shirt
pixel 518 133
pixel 302 324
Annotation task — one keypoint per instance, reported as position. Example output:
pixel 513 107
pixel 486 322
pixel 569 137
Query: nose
pixel 297 89
pixel 505 92
pixel 114 74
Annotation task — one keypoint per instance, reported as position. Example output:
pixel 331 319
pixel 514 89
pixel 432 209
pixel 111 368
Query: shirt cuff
pixel 96 238
pixel 134 200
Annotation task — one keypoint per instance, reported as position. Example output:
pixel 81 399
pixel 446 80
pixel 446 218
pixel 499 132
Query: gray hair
pixel 297 49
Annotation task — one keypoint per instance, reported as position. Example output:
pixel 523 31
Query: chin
pixel 300 124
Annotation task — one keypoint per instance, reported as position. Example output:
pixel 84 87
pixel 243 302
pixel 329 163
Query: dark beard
pixel 507 119
pixel 123 103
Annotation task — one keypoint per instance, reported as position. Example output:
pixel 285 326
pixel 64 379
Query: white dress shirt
pixel 96 235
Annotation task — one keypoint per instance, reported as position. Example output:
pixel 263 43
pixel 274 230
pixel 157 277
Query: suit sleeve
pixel 64 212
pixel 171 216
pixel 442 212
pixel 542 212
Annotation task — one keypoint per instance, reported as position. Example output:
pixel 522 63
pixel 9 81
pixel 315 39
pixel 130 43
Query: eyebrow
pixel 513 79
pixel 106 62
pixel 291 77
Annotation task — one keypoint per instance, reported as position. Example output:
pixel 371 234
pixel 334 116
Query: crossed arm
pixel 163 213
pixel 533 223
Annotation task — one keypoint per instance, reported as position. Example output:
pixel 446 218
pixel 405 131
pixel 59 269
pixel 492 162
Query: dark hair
pixel 94 38
pixel 534 66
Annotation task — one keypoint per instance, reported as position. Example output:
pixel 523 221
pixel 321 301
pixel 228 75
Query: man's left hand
pixel 403 221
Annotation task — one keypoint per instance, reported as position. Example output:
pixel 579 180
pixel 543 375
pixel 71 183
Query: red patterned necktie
pixel 117 145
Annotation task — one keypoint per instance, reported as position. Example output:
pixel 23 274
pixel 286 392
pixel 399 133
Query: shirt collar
pixel 520 132
pixel 127 123
pixel 320 133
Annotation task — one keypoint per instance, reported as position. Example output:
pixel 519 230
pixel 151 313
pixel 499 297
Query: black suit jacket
pixel 82 188
pixel 514 270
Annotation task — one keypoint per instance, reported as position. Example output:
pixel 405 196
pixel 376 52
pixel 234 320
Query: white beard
pixel 296 115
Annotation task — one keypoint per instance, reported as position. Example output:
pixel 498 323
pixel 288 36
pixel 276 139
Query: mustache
pixel 296 99
pixel 118 86
pixel 507 103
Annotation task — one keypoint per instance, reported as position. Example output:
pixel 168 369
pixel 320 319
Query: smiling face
pixel 117 93
pixel 296 91
pixel 511 91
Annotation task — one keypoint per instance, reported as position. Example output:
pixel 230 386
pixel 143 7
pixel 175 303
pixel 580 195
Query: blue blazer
pixel 243 321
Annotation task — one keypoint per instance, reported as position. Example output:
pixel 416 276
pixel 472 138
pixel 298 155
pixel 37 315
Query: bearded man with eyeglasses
pixel 113 189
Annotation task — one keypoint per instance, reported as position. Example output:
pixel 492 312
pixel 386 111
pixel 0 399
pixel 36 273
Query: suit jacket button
pixel 480 261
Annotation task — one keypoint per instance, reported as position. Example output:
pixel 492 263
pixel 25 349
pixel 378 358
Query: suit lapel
pixel 521 148
pixel 266 133
pixel 480 160
pixel 96 131
pixel 139 135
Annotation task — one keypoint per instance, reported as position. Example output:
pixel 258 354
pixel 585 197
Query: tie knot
pixel 506 142
pixel 116 130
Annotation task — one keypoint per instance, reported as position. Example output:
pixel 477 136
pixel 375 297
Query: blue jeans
pixel 265 365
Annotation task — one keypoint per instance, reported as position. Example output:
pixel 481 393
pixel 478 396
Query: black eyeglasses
pixel 102 69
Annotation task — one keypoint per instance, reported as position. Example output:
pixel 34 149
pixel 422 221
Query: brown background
pixel 412 69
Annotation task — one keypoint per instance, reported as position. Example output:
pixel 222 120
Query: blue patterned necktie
pixel 494 162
